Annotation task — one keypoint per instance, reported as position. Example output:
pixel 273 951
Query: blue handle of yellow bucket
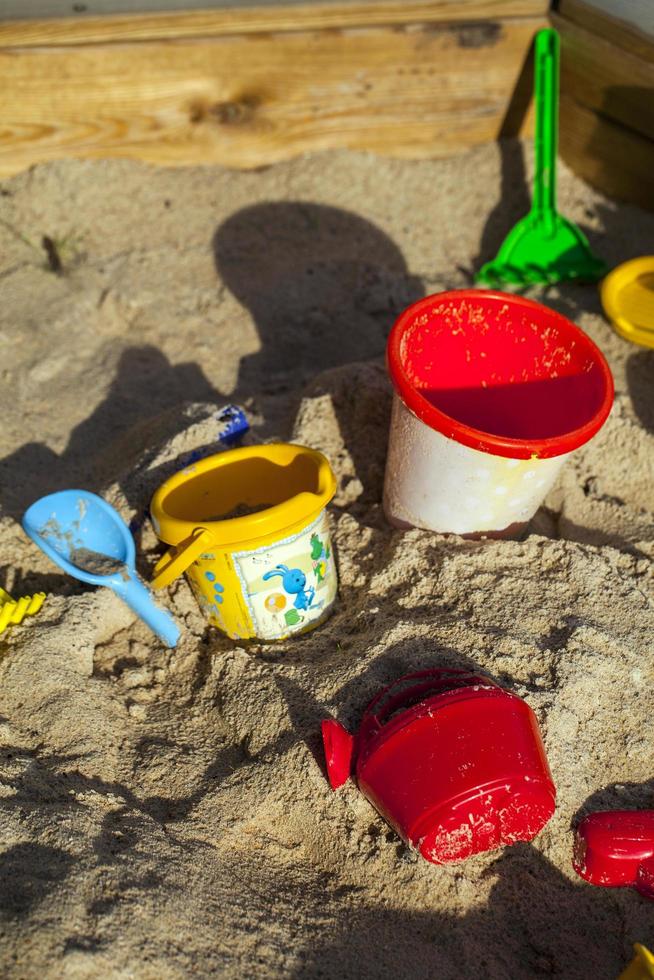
pixel 175 562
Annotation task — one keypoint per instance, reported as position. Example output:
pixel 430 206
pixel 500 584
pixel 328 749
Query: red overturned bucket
pixel 453 762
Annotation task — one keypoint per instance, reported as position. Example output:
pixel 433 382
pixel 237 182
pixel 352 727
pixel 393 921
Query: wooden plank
pixel 286 17
pixel 249 100
pixel 623 33
pixel 615 159
pixel 607 105
pixel 638 13
pixel 606 78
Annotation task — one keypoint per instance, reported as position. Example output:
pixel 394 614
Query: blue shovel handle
pixel 139 599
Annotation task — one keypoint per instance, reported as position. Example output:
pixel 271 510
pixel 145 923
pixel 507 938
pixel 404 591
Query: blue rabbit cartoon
pixel 293 582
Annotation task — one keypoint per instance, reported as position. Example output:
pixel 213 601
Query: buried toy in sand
pixel 14 611
pixel 250 530
pixel 452 761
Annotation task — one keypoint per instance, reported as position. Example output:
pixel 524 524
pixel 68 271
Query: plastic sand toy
pixel 492 393
pixel 641 967
pixel 454 763
pixel 627 295
pixel 544 247
pixel 14 611
pixel 250 530
pixel 231 426
pixel 615 848
pixel 86 537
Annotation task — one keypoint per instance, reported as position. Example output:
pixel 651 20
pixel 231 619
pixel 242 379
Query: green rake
pixel 544 247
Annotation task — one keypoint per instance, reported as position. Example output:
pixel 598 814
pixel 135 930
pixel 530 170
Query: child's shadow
pixel 140 411
pixel 323 287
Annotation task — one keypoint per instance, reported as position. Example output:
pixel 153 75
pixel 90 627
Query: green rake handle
pixel 546 72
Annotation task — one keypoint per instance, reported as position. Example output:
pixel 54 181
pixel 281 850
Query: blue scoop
pixel 86 537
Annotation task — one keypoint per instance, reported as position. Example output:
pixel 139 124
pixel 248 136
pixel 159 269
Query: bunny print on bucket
pixel 293 582
pixel 289 587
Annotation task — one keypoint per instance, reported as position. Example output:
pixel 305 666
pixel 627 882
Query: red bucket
pixel 454 763
pixel 492 393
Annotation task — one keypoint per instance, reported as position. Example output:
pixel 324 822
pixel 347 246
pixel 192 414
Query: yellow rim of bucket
pixel 610 290
pixel 265 525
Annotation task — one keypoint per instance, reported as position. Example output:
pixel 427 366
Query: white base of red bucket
pixel 439 484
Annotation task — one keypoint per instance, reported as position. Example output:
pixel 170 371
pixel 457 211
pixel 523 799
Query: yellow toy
pixel 627 295
pixel 14 611
pixel 641 967
pixel 250 530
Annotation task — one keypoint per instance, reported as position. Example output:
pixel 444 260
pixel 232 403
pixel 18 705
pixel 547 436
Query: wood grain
pixel 618 32
pixel 607 104
pixel 606 78
pixel 226 21
pixel 252 99
pixel 615 159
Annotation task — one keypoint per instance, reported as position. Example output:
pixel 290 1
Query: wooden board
pixel 607 102
pixel 252 19
pixel 606 78
pixel 613 158
pixel 251 98
pixel 622 32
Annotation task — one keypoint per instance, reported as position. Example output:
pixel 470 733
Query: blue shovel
pixel 86 537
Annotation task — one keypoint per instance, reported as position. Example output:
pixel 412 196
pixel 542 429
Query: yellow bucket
pixel 250 530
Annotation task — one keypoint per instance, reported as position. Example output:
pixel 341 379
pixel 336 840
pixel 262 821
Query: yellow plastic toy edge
pixel 171 565
pixel 641 967
pixel 610 290
pixel 14 611
pixel 253 530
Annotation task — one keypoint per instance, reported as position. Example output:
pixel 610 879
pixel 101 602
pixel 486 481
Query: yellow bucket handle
pixel 176 560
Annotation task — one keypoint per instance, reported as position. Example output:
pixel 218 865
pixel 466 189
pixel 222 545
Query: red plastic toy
pixel 614 848
pixel 454 763
pixel 499 373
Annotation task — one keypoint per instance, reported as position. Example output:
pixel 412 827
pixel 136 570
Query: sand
pixel 165 814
